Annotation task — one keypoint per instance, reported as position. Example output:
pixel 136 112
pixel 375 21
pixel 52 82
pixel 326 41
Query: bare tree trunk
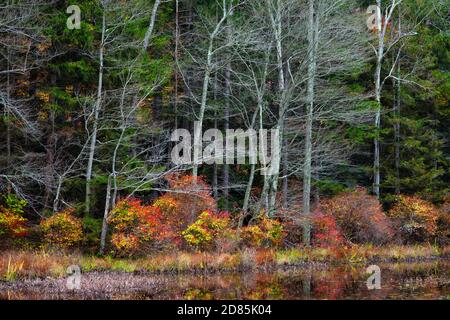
pixel 105 217
pixel 276 155
pixel 226 168
pixel 251 177
pixel 397 105
pixel 49 174
pixel 58 194
pixel 312 46
pixel 97 107
pixel 149 33
pixel 285 173
pixel 248 189
pixel 215 171
pixel 382 24
pixel 205 86
pixel 177 42
pixel 198 127
pixel 376 160
pixel 8 121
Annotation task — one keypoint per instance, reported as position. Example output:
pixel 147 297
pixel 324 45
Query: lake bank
pixel 419 280
pixel 16 265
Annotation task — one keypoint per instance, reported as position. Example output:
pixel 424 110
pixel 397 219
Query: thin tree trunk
pixel 285 173
pixel 51 143
pixel 380 55
pixel 248 189
pixel 206 77
pixel 58 194
pixel 177 41
pixel 97 108
pixel 8 121
pixel 149 33
pixel 215 172
pixel 397 105
pixel 276 153
pixel 226 167
pixel 105 217
pixel 312 47
pixel 251 177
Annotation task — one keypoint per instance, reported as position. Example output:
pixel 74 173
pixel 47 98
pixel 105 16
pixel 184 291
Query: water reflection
pixel 428 280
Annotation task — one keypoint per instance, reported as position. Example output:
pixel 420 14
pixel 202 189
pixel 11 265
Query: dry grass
pixel 27 264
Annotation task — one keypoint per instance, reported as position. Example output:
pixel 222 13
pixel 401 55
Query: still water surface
pixel 424 280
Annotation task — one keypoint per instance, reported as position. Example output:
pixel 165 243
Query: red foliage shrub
pixel 359 216
pixel 414 218
pixel 138 227
pixel 325 232
pixel 187 198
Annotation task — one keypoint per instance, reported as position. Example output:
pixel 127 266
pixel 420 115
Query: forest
pixel 97 96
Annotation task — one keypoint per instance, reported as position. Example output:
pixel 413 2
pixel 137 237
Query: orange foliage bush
pixel 172 218
pixel 62 230
pixel 415 219
pixel 136 227
pixel 12 223
pixel 187 198
pixel 359 216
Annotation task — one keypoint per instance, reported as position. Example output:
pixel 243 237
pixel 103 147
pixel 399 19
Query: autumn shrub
pixel 415 219
pixel 62 230
pixel 137 227
pixel 186 199
pixel 12 222
pixel 208 227
pixel 325 231
pixel 359 216
pixel 181 206
pixel 265 233
pixel 443 225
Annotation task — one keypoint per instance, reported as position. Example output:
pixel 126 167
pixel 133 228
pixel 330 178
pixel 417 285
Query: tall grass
pixel 26 264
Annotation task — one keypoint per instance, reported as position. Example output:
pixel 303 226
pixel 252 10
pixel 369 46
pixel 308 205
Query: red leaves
pixel 359 216
pixel 326 233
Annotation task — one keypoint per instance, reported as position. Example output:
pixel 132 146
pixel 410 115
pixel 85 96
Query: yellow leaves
pixel 69 89
pixel 62 229
pixel 206 228
pixel 43 96
pixel 416 216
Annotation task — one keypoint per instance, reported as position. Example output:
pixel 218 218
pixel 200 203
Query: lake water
pixel 424 280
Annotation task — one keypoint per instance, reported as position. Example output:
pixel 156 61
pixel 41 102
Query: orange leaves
pixel 62 230
pixel 12 224
pixel 136 225
pixel 415 218
pixel 162 223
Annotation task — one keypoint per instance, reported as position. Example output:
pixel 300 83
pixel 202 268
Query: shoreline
pixel 19 265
